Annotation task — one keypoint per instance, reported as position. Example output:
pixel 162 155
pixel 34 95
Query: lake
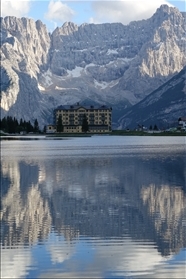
pixel 97 207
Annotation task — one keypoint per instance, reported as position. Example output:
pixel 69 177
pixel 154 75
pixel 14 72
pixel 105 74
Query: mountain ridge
pixel 111 63
pixel 161 105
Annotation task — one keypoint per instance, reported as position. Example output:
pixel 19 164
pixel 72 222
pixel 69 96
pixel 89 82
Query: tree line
pixel 11 125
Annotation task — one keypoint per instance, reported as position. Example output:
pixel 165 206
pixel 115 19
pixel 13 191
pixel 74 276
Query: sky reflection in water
pixel 106 207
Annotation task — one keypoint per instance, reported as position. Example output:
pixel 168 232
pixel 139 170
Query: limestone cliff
pixel 107 63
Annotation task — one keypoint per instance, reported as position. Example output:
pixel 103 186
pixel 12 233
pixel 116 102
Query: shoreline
pixel 71 135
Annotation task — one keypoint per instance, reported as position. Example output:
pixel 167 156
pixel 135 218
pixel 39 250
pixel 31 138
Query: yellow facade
pixel 99 118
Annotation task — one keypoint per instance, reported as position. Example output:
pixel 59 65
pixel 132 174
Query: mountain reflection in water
pixel 113 214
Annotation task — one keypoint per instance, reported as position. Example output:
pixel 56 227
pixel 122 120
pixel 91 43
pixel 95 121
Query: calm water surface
pixel 99 207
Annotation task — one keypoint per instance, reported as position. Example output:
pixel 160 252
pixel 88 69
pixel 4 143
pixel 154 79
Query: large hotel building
pixel 99 118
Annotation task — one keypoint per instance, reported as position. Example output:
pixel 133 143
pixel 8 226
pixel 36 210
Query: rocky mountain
pixel 162 107
pixel 114 64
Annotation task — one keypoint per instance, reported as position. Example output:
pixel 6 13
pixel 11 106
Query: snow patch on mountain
pixel 104 85
pixel 75 72
pixel 112 51
pixel 41 88
pixel 46 78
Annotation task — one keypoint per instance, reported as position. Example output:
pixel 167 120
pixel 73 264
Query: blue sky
pixel 55 12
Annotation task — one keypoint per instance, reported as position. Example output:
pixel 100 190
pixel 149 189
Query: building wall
pixel 182 123
pixel 50 129
pixel 99 118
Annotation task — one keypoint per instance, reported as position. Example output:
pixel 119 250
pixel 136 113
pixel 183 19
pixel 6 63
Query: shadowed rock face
pixel 105 63
pixel 162 106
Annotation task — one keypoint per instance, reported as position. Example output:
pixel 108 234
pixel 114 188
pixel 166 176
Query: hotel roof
pixel 78 106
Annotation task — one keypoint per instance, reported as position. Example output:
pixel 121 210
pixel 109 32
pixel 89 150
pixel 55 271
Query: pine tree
pixel 44 129
pixel 155 127
pixel 11 125
pixel 84 124
pixel 59 124
pixel 29 127
pixel 36 126
pixel 4 125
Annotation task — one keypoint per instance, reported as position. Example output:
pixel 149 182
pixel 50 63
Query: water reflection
pixel 167 209
pixel 25 214
pixel 104 216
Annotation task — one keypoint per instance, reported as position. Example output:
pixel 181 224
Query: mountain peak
pixel 69 24
pixel 167 10
pixel 70 27
pixel 66 29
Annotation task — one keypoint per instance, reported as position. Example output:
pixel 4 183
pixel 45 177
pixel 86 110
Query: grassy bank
pixel 113 133
pixel 69 135
pixel 143 133
pixel 119 133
